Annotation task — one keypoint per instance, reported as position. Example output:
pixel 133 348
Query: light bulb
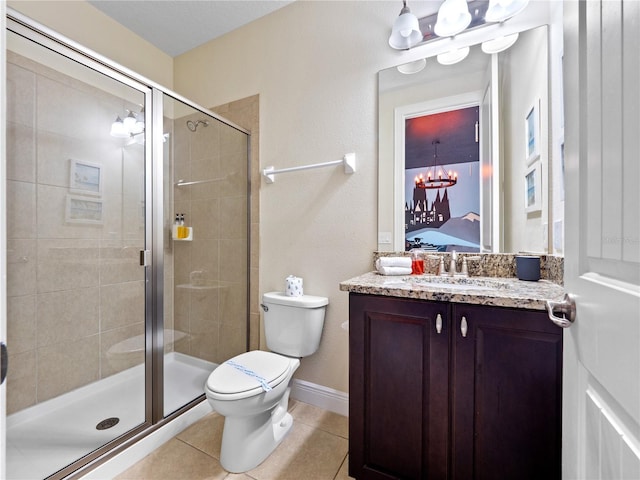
pixel 118 130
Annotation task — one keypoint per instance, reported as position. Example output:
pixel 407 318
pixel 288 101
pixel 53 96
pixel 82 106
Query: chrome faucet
pixel 453 270
pixel 452 265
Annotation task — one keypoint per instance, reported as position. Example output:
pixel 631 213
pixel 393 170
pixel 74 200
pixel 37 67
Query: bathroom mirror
pixel 518 167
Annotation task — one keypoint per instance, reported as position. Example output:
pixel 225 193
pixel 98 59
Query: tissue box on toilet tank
pixel 293 286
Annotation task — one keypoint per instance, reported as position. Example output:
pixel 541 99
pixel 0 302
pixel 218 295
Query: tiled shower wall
pixel 74 290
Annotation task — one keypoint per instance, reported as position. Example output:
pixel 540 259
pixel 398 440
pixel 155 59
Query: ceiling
pixel 177 26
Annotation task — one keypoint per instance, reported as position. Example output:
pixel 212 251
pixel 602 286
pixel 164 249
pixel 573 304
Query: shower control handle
pixel 4 361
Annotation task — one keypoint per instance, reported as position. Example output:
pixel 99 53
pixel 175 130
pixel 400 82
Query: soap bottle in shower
pixel 183 232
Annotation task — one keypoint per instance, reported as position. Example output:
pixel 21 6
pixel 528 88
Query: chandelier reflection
pixel 436 175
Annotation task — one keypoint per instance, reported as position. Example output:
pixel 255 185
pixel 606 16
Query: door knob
pixel 566 307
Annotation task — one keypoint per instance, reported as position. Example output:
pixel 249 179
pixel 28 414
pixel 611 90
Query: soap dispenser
pixel 417 261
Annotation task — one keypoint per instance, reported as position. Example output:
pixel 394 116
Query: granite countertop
pixel 501 292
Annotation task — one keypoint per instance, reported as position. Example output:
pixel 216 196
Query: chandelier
pixel 436 176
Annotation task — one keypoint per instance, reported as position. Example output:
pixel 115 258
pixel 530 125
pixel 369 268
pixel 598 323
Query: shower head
pixel 193 126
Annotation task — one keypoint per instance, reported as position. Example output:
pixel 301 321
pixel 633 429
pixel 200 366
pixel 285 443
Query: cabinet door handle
pixel 439 323
pixel 463 326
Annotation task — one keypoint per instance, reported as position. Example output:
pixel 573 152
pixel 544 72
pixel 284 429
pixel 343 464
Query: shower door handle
pixel 4 361
pixel 145 258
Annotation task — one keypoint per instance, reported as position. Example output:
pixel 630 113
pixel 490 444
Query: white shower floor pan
pixel 49 436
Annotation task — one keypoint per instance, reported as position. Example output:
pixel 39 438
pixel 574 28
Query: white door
pixel 601 398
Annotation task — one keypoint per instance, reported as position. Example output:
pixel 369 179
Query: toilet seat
pixel 228 383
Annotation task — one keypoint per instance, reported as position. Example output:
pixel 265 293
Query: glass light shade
pixel 412 67
pixel 406 31
pixel 129 121
pixel 139 127
pixel 453 56
pixel 118 129
pixel 499 44
pixel 501 10
pixel 453 18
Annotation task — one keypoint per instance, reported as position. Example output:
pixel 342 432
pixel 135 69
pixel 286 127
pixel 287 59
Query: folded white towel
pixel 393 262
pixel 394 270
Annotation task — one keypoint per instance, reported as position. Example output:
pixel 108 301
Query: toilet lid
pixel 260 365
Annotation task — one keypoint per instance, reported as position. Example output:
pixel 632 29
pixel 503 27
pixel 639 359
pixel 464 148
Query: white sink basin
pixel 459 283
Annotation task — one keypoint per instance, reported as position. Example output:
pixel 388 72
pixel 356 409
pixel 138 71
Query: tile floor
pixel 315 449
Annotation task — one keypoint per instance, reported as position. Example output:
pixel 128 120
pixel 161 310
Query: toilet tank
pixel 293 325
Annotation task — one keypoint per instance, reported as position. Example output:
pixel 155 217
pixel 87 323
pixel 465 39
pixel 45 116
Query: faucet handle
pixel 465 270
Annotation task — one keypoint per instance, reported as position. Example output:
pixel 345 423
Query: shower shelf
pixel 174 234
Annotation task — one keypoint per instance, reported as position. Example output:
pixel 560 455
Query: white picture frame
pixel 532 133
pixel 85 178
pixel 533 188
pixel 84 210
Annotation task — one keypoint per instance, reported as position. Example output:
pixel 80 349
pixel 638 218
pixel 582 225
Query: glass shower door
pixel 76 165
pixel 206 264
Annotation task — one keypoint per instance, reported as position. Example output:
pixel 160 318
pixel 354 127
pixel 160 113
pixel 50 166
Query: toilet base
pixel 248 441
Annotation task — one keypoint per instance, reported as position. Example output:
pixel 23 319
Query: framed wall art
pixel 533 188
pixel 85 178
pixel 85 210
pixel 532 133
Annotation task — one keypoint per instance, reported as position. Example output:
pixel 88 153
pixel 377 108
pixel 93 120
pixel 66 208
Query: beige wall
pixel 88 26
pixel 315 67
pixel 525 70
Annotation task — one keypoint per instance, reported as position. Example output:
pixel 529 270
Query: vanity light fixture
pixel 499 44
pixel 501 10
pixel 131 126
pixel 436 176
pixel 412 67
pixel 453 56
pixel 453 18
pixel 406 30
pixel 118 130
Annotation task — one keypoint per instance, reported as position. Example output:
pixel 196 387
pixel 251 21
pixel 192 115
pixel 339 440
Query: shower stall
pixel 127 252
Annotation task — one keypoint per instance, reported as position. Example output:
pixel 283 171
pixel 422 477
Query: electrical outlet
pixel 384 238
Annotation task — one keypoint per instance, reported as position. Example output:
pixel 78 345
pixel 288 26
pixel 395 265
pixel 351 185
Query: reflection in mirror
pixel 508 194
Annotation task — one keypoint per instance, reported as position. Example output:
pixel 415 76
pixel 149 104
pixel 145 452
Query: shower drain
pixel 107 423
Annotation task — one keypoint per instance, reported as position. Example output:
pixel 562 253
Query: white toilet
pixel 252 389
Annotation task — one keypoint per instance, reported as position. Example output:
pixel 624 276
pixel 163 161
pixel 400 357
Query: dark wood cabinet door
pixel 506 393
pixel 398 388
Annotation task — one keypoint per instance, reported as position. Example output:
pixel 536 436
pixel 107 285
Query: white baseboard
pixel 136 452
pixel 320 396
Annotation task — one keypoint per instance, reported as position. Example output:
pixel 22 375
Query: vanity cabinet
pixel 444 390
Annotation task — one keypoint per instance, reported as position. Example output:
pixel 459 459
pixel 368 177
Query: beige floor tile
pixel 306 453
pixel 175 460
pixel 238 476
pixel 322 419
pixel 205 434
